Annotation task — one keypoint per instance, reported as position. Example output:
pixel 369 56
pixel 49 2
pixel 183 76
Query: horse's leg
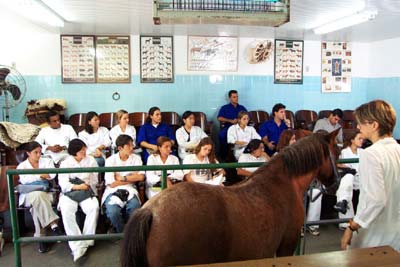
pixel 288 245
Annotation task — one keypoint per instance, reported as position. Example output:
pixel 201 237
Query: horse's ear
pixel 331 137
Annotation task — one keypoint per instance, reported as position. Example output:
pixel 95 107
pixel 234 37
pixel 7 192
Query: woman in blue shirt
pixel 151 130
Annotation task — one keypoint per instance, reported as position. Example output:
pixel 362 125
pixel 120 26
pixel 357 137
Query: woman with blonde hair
pixel 123 127
pixel 376 222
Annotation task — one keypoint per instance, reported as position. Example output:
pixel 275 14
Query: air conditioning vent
pixel 236 12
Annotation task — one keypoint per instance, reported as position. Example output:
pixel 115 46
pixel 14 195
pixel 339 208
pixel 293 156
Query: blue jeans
pixel 114 212
pixel 100 161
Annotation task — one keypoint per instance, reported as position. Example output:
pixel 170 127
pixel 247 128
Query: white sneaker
pixel 79 253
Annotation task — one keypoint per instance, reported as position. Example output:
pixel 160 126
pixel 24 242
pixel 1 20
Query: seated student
pixel 271 130
pixel 287 138
pixel 78 189
pixel 55 138
pixel 151 130
pixel 120 192
pixel 254 152
pixel 188 136
pixel 350 182
pixel 39 201
pixel 331 124
pixel 162 157
pixel 123 127
pixel 96 137
pixel 227 116
pixel 203 154
pixel 240 134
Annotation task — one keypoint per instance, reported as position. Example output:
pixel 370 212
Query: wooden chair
pixel 108 120
pixel 77 121
pixel 172 119
pixel 324 114
pixel 137 119
pixel 305 119
pixel 290 116
pixel 349 120
pixel 201 121
pixel 258 117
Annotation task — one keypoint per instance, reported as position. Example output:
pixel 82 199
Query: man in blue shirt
pixel 227 116
pixel 271 130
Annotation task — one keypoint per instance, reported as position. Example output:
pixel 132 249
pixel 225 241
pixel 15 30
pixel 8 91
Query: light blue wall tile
pixel 197 93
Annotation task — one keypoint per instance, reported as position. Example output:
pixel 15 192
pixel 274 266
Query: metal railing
pixel 17 239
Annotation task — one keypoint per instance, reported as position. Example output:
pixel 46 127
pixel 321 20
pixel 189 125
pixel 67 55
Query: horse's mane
pixel 305 155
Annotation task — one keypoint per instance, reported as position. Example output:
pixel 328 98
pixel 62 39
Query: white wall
pixel 385 58
pixel 36 51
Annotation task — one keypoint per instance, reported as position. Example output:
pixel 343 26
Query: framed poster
pixel 212 53
pixel 336 67
pixel 113 59
pixel 77 59
pixel 288 67
pixel 156 59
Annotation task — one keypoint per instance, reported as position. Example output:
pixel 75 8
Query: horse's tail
pixel 133 251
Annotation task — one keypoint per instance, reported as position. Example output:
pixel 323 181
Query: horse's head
pixel 328 174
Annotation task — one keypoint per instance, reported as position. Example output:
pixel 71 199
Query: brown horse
pixel 194 223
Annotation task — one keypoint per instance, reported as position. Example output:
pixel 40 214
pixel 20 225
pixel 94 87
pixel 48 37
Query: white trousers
pixel 314 208
pixel 68 209
pixel 41 210
pixel 345 192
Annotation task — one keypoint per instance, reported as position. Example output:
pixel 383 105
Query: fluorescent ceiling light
pixel 345 22
pixel 36 10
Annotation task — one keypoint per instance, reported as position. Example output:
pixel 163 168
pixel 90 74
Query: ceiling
pixel 136 17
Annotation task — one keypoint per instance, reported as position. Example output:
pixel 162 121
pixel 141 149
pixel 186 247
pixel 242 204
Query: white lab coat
pixel 247 157
pixel 117 131
pixel 115 161
pixel 89 206
pixel 152 177
pixel 94 140
pixel 196 134
pixel 44 163
pixel 235 133
pixel 378 211
pixel 50 137
pixel 38 201
pixel 348 183
pixel 201 175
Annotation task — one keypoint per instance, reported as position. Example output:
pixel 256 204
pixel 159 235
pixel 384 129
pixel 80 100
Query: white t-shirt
pixel 94 140
pixel 90 178
pixel 117 131
pixel 182 137
pixel 50 137
pixel 201 175
pixel 115 161
pixel 153 177
pixel 247 157
pixel 235 133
